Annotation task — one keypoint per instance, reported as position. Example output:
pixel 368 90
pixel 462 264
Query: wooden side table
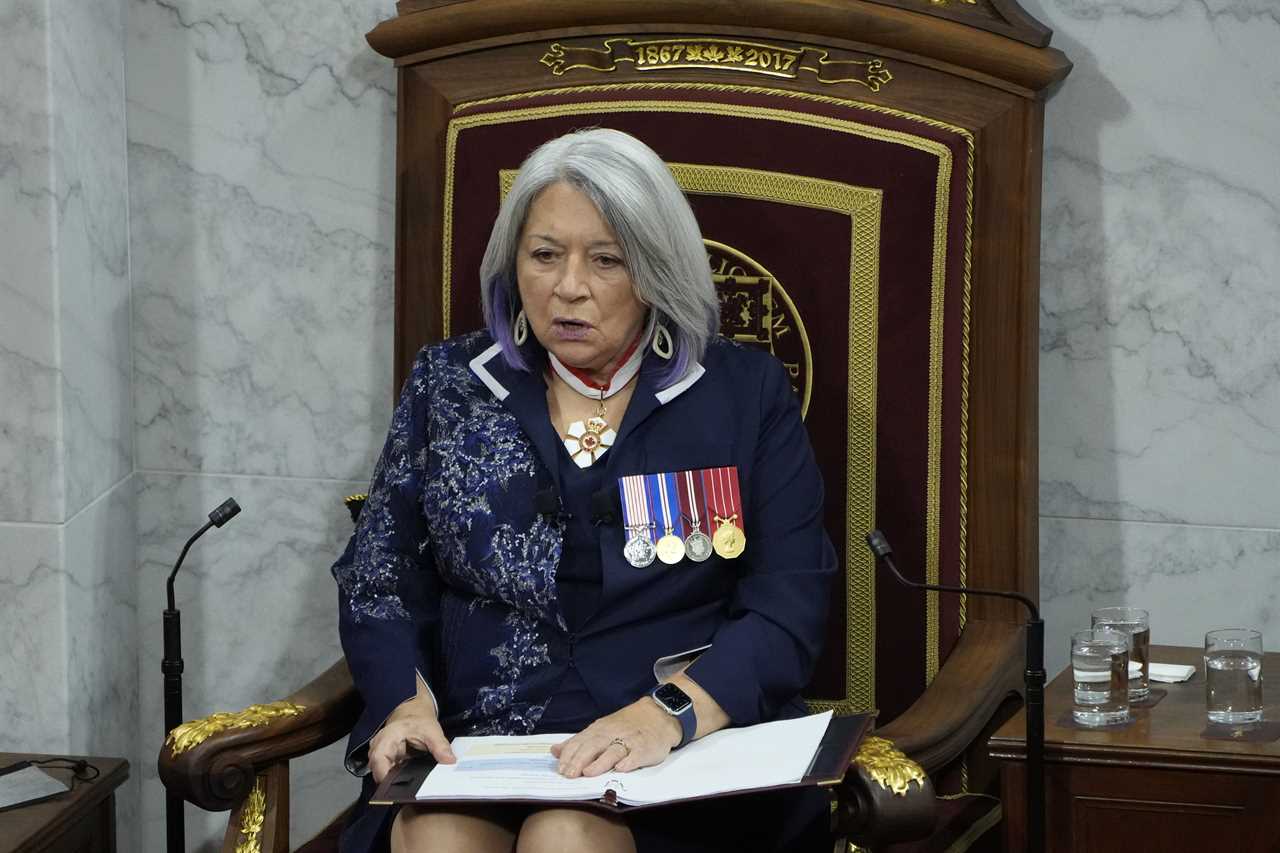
pixel 1153 784
pixel 83 820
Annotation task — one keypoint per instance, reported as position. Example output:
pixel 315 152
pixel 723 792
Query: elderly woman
pixel 594 517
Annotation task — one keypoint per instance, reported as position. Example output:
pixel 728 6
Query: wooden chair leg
pixel 260 824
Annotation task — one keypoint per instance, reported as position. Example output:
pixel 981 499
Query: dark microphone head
pixel 226 511
pixel 547 501
pixel 605 507
pixel 878 544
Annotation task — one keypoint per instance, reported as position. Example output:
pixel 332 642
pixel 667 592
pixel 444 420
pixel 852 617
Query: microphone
pixel 605 507
pixel 172 668
pixel 547 504
pixel 1033 679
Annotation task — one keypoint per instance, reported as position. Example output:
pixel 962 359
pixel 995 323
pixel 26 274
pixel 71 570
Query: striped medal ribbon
pixel 671 544
pixel 697 545
pixel 639 549
pixel 726 510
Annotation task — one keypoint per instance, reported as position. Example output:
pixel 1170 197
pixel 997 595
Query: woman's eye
pixel 544 255
pixel 608 261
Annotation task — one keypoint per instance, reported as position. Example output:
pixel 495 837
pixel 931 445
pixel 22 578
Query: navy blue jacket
pixel 450 575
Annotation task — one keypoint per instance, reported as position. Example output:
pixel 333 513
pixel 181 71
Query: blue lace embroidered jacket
pixel 451 573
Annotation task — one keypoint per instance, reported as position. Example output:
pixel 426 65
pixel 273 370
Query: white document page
pixel 758 756
pixel 507 767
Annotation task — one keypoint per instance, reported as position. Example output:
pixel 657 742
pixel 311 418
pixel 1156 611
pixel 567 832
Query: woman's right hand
pixel 412 724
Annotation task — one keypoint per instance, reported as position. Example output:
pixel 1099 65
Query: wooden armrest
pixel 224 753
pixel 985 667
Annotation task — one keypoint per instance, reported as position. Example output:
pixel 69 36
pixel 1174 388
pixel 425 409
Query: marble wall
pixel 1160 317
pixel 68 678
pixel 261 168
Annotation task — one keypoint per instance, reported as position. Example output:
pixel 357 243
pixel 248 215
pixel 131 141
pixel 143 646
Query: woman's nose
pixel 572 284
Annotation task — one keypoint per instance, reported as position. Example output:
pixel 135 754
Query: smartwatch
pixel 677 703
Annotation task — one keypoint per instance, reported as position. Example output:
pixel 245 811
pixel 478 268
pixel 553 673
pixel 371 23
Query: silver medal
pixel 639 551
pixel 697 546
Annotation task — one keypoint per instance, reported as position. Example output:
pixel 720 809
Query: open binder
pixel 827 767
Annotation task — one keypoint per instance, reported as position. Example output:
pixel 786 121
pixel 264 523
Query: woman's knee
pixel 418 830
pixel 571 830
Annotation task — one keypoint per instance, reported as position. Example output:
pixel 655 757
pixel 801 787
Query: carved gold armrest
pixel 214 762
pixel 985 667
pixel 885 797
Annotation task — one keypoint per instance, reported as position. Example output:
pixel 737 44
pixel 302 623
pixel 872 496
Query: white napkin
pixel 1169 673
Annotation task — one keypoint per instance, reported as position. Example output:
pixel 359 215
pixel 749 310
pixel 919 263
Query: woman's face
pixel 576 290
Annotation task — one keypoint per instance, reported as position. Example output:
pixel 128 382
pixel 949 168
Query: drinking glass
pixel 1100 671
pixel 1233 675
pixel 1137 624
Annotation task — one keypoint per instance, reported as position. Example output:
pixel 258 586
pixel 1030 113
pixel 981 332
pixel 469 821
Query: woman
pixel 595 482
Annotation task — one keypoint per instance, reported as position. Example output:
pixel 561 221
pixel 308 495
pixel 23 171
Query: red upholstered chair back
pixel 860 226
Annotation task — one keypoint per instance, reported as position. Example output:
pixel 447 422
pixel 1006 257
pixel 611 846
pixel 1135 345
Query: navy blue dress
pixel 523 621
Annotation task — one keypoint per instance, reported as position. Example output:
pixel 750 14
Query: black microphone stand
pixel 1033 678
pixel 171 666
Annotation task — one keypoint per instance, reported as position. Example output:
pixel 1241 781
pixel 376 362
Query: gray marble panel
pixel 1191 579
pixel 30 463
pixel 100 547
pixel 92 245
pixel 259 617
pixel 33 667
pixel 261 164
pixel 1160 315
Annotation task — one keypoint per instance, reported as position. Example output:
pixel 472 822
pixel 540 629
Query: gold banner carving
pixel 719 54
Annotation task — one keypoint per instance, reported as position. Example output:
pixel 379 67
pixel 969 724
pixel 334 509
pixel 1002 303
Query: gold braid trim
pixel 888 765
pixel 351 499
pixel 251 820
pixel 196 732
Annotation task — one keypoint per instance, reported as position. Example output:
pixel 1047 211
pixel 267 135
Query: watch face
pixel 672 698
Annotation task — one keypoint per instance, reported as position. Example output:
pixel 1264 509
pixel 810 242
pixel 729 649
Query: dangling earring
pixel 663 346
pixel 520 333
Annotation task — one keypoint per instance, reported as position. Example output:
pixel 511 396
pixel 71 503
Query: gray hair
pixel 659 237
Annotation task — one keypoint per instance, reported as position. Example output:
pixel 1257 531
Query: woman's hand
pixel 412 724
pixel 639 735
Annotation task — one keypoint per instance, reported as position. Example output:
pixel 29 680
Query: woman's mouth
pixel 567 329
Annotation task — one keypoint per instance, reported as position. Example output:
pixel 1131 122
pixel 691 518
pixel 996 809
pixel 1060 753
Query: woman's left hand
pixel 639 735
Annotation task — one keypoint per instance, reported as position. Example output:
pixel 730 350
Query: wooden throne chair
pixel 867 177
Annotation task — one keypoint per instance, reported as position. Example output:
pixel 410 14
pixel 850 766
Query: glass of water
pixel 1100 671
pixel 1137 624
pixel 1233 675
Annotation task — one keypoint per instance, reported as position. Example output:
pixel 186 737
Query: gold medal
pixel 729 540
pixel 670 548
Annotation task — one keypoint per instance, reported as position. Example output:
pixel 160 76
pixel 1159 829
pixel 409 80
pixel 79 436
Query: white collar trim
pixel 478 368
pixel 500 391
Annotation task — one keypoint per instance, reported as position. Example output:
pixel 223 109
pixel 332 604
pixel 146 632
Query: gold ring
pixel 622 743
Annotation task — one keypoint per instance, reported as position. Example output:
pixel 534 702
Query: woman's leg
pixel 482 829
pixel 567 830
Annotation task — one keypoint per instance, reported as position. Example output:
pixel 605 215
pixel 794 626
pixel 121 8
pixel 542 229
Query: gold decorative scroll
pixel 253 815
pixel 721 55
pixel 196 732
pixel 888 766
